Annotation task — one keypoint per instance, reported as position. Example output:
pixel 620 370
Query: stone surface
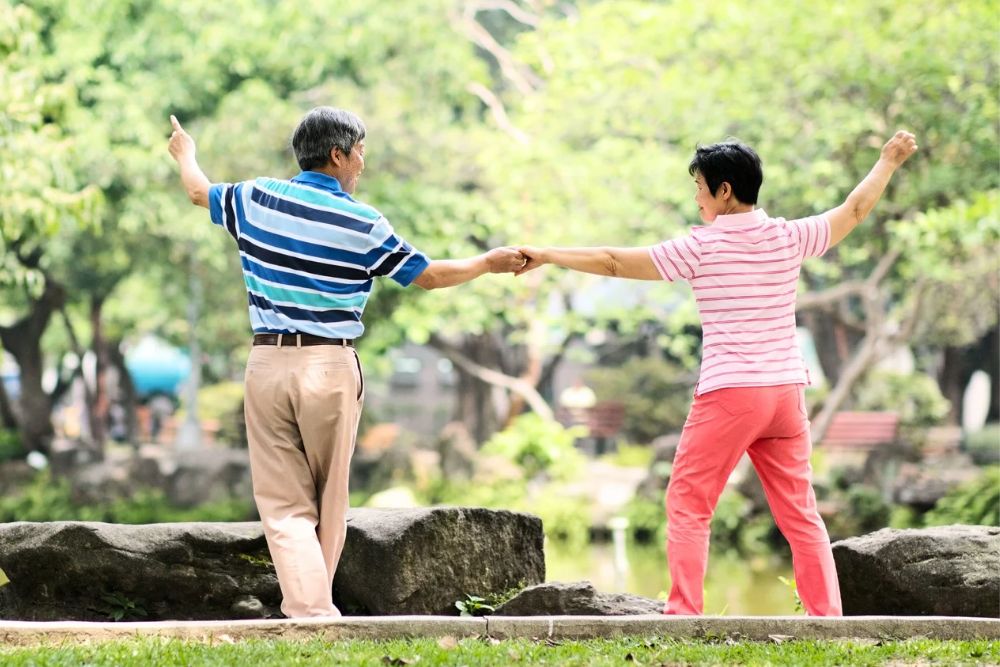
pixel 395 562
pixel 575 599
pixel 421 561
pixel 942 571
pixel 93 571
pixel 558 628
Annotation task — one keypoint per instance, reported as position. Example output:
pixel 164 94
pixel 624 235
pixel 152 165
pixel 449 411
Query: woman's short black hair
pixel 729 162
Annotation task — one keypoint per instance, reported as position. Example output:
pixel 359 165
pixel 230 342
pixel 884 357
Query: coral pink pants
pixel 770 424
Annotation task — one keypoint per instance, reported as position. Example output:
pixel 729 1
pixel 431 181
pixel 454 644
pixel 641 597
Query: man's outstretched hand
pixel 899 148
pixel 504 260
pixel 181 144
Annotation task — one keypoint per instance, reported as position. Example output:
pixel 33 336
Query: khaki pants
pixel 302 410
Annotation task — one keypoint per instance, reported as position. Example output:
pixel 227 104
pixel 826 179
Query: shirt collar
pixel 320 180
pixel 736 219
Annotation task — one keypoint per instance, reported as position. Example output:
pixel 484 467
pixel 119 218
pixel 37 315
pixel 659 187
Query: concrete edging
pixel 749 628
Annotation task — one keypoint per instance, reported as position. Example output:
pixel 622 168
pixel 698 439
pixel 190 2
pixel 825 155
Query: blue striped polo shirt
pixel 310 252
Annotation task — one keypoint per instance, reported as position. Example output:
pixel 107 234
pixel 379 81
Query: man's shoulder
pixel 317 197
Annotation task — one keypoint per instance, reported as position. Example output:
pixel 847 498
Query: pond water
pixel 735 585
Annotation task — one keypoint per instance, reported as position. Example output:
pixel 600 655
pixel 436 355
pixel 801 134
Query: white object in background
pixel 976 402
pixel 37 460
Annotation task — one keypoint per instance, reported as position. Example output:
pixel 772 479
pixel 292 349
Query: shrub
pixel 915 397
pixel 539 446
pixel 656 394
pixel 977 503
pixel 10 445
pixel 48 499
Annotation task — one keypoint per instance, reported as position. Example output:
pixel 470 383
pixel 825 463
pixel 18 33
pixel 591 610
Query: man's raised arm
pixel 183 150
pixel 863 198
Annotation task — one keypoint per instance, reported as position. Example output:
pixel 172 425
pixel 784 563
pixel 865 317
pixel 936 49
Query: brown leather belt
pixel 299 340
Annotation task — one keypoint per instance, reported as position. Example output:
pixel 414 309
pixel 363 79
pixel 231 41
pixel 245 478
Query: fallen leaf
pixel 448 642
pixel 780 639
pixel 226 639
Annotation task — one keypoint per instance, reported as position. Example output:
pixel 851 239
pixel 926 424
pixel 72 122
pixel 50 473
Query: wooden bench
pixel 861 430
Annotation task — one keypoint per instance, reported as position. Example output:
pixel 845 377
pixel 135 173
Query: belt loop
pixel 279 340
pixel 298 341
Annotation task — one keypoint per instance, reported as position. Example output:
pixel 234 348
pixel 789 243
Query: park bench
pixel 861 430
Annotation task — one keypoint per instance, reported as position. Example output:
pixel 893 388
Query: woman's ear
pixel 726 190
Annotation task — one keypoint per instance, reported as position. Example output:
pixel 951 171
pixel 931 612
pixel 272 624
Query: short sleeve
pixel 396 258
pixel 811 235
pixel 224 206
pixel 677 259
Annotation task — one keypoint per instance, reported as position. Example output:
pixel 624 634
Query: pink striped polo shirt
pixel 744 269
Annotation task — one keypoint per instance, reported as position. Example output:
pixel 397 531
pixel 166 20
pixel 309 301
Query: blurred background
pixel 123 316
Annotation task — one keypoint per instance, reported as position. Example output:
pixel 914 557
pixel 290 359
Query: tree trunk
pixel 476 408
pixel 23 340
pixel 129 395
pixel 98 405
pixel 8 419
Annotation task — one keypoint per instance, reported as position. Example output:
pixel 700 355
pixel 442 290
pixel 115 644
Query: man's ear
pixel 336 157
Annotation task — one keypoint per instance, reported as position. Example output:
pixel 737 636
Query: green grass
pixel 636 651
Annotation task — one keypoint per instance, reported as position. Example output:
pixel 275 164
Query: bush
pixel 984 445
pixel 222 402
pixel 538 446
pixel 976 503
pixel 630 456
pixel 10 445
pixel 656 394
pixel 48 499
pixel 915 397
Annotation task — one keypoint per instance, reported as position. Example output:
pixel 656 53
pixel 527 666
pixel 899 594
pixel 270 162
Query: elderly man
pixel 310 253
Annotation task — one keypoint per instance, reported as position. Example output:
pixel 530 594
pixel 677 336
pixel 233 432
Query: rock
pixel 69 570
pixel 417 561
pixel 193 477
pixel 247 606
pixel 942 571
pixel 575 599
pixel 421 561
pixel 922 485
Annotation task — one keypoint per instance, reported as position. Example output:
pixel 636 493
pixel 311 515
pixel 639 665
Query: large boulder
pixel 394 562
pixel 91 571
pixel 422 561
pixel 942 571
pixel 575 599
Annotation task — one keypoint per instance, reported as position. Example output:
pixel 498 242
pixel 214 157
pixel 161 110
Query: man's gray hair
pixel 320 131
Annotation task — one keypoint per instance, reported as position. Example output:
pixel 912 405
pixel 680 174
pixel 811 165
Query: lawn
pixel 476 652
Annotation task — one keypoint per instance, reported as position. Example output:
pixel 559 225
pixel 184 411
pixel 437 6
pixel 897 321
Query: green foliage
pixel 656 393
pixel 915 397
pixel 865 511
pixel 538 446
pixel 48 499
pixel 977 503
pixel 473 605
pixel 10 445
pixel 222 402
pixel 793 587
pixel 119 607
pixel 630 456
pixel 647 519
pixel 984 445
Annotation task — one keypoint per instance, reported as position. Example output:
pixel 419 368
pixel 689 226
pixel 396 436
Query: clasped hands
pixel 516 260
